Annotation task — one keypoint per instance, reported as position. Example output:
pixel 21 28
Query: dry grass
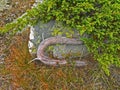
pixel 19 75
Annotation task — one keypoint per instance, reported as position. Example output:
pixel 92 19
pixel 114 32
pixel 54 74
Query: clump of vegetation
pixel 99 19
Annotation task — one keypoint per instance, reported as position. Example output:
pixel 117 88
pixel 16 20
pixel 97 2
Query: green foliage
pixel 29 18
pixel 100 19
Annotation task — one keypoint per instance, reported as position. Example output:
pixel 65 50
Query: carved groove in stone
pixel 57 40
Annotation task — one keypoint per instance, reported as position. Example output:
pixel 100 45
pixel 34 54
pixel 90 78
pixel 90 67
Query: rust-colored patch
pixel 18 56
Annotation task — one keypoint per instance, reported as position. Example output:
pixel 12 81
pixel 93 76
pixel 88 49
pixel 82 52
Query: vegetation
pixel 99 19
pixel 37 76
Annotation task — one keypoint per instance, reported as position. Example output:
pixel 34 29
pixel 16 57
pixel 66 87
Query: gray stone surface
pixel 73 51
pixel 42 31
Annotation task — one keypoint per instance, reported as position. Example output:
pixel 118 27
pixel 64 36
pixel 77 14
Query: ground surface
pixel 49 78
pixel 16 9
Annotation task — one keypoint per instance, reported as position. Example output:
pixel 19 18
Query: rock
pixel 39 32
pixel 42 31
pixel 71 51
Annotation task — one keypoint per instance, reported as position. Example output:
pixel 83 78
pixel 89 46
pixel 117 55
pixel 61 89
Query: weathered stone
pixel 42 31
pixel 73 51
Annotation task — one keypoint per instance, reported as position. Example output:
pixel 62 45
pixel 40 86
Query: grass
pixel 41 77
pixel 17 74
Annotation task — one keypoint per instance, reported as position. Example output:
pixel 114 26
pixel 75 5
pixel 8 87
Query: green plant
pixel 100 19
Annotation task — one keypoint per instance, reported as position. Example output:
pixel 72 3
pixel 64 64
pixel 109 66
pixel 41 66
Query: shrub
pixel 100 19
